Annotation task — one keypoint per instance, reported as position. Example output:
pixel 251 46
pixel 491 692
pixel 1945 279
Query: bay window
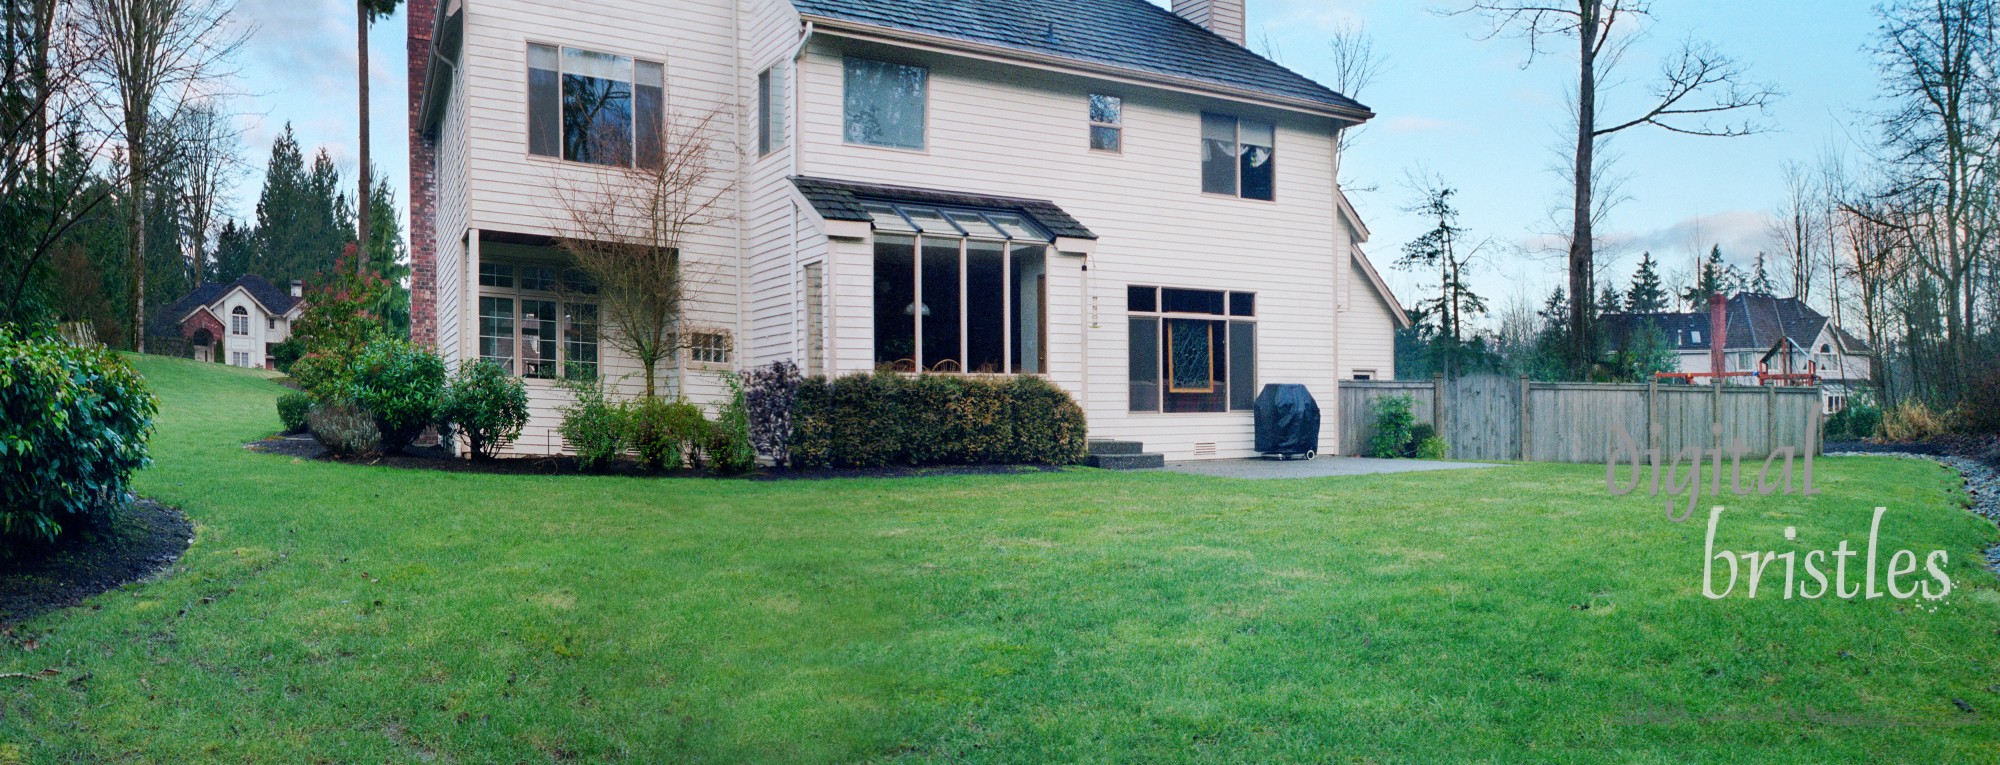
pixel 1191 350
pixel 959 290
pixel 598 108
pixel 536 322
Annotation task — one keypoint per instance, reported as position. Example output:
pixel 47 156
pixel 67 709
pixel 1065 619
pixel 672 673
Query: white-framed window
pixel 1107 123
pixel 770 110
pixel 271 323
pixel 537 321
pixel 1239 157
pixel 239 321
pixel 815 318
pixel 239 359
pixel 884 103
pixel 1191 350
pixel 708 347
pixel 959 290
pixel 598 108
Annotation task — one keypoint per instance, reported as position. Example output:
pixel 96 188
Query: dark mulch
pixel 140 540
pixel 436 458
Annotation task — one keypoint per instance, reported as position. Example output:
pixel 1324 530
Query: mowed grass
pixel 337 613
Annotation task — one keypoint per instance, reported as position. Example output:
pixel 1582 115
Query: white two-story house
pixel 235 323
pixel 1113 195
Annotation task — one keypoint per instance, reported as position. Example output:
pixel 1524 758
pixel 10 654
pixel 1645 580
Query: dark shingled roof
pixel 841 200
pixel 1130 34
pixel 1757 322
pixel 274 300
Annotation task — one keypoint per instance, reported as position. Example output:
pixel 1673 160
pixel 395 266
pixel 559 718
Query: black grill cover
pixel 1287 420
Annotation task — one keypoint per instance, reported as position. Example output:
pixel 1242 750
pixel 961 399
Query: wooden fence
pixel 1488 417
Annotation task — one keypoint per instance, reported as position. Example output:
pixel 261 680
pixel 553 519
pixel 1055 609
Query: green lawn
pixel 334 613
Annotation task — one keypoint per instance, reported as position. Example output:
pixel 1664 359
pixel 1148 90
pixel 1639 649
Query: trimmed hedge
pixel 73 427
pixel 887 419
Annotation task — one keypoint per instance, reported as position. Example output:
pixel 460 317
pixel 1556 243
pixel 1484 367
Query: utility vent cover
pixel 1204 449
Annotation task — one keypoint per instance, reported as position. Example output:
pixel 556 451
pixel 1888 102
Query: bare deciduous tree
pixel 158 56
pixel 1699 90
pixel 209 158
pixel 628 227
pixel 1356 65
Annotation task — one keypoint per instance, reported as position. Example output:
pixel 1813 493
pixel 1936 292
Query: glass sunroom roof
pixel 900 218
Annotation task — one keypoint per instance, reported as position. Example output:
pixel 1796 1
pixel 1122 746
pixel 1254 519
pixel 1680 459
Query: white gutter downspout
pixel 742 181
pixel 796 114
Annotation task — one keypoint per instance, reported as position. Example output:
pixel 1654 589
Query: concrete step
pixel 1117 448
pixel 1127 461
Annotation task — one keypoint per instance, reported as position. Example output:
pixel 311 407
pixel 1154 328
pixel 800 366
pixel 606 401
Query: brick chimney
pixel 1223 17
pixel 422 16
pixel 1718 333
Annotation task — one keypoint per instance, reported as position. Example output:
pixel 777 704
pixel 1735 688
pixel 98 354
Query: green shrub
pixel 1393 425
pixel 74 422
pixel 594 426
pixel 769 394
pixel 1432 448
pixel 335 326
pixel 1047 428
pixel 399 383
pixel 293 406
pixel 486 404
pixel 728 445
pixel 667 435
pixel 1859 420
pixel 1912 421
pixel 1419 434
pixel 868 421
pixel 287 353
pixel 1979 413
pixel 346 430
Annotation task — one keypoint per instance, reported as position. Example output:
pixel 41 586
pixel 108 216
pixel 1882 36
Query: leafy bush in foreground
pixel 486 404
pixel 346 430
pixel 666 434
pixel 401 385
pixel 728 444
pixel 293 406
pixel 593 426
pixel 74 422
pixel 1394 425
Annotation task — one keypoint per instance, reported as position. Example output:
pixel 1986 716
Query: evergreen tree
pixel 1608 301
pixel 235 253
pixel 281 232
pixel 389 259
pixel 1713 278
pixel 1760 280
pixel 1648 294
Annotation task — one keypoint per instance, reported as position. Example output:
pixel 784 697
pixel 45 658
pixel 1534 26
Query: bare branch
pixel 1700 83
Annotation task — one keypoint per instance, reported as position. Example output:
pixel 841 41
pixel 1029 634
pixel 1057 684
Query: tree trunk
pixel 362 202
pixel 135 230
pixel 1580 244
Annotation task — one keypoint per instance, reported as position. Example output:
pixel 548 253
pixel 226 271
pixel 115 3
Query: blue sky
pixel 1450 104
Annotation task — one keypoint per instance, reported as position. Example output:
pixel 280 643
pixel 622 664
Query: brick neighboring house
pixel 1112 195
pixel 1779 335
pixel 234 323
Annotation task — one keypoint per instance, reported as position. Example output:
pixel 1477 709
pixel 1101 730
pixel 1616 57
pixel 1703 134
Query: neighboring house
pixel 1118 197
pixel 235 323
pixel 1766 333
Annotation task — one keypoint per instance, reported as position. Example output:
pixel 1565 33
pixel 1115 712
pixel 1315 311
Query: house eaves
pixel 947 45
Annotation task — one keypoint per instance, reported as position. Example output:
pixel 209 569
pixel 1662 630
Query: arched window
pixel 239 321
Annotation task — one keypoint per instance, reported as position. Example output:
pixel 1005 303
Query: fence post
pixel 1652 404
pixel 1526 421
pixel 1771 422
pixel 1437 405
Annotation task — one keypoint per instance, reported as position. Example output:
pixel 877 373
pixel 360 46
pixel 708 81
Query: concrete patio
pixel 1324 467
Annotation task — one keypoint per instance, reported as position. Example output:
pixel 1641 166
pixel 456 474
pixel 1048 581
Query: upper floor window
pixel 239 321
pixel 1107 123
pixel 1238 157
pixel 770 110
pixel 599 108
pixel 885 103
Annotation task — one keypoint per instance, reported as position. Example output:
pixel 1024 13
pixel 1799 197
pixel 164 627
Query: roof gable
pixel 1129 34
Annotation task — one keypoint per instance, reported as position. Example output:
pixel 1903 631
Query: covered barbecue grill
pixel 1287 422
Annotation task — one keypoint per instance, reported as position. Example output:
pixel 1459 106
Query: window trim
pixel 1227 322
pixel 772 114
pixel 1236 162
pixel 241 329
pixel 845 141
pixel 692 352
pixel 517 294
pixel 527 101
pixel 1118 127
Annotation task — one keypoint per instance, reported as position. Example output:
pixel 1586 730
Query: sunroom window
pixel 1191 350
pixel 959 290
pixel 537 321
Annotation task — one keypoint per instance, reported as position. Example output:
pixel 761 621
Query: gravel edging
pixel 1982 483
